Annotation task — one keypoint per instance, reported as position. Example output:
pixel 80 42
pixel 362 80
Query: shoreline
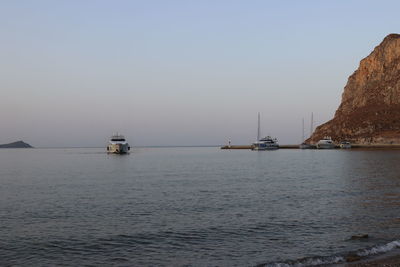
pixel 353 147
pixel 388 259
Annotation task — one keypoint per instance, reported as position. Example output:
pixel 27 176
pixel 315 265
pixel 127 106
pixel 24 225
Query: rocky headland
pixel 18 144
pixel 370 109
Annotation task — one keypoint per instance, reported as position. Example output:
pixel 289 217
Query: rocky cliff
pixel 370 107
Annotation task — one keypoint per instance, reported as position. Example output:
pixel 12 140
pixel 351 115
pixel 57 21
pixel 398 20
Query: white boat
pixel 118 145
pixel 325 143
pixel 345 145
pixel 266 143
pixel 305 145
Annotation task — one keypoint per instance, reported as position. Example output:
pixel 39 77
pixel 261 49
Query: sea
pixel 196 206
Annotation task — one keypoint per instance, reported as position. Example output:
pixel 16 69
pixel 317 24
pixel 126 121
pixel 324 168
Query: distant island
pixel 18 144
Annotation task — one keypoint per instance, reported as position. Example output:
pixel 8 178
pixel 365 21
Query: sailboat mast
pixel 302 138
pixel 312 122
pixel 258 129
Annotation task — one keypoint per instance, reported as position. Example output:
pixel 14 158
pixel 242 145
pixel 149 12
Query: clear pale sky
pixel 178 72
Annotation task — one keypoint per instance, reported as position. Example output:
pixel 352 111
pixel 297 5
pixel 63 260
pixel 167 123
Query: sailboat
pixel 304 145
pixel 265 143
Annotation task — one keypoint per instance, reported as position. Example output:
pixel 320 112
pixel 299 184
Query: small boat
pixel 345 145
pixel 325 143
pixel 118 145
pixel 305 145
pixel 266 143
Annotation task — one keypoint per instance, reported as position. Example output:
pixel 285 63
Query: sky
pixel 172 72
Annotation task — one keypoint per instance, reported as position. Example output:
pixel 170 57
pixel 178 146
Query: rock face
pixel 18 144
pixel 370 107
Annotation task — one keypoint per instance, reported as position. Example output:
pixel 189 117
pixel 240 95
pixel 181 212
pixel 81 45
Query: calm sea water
pixel 194 206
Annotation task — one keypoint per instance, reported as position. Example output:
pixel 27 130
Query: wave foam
pixel 314 261
pixel 309 262
pixel 379 249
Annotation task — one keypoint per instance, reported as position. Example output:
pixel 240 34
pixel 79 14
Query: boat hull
pixel 306 146
pixel 261 147
pixel 325 146
pixel 118 148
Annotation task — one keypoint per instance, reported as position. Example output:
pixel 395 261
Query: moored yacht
pixel 326 143
pixel 266 143
pixel 305 145
pixel 345 145
pixel 118 145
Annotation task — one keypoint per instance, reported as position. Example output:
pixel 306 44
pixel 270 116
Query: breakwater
pixel 353 146
pixel 250 147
